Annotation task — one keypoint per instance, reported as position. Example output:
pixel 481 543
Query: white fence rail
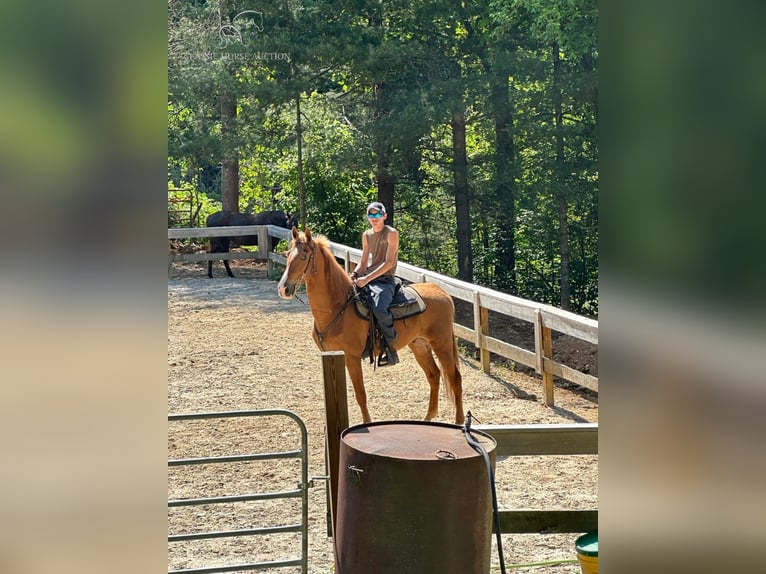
pixel 544 318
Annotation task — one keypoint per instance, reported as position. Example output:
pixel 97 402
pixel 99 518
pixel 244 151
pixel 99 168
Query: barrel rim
pixel 490 448
pixel 415 422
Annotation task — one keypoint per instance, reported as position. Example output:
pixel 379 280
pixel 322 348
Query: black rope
pixel 495 513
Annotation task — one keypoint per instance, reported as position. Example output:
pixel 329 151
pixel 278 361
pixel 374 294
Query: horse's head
pixel 300 257
pixel 291 220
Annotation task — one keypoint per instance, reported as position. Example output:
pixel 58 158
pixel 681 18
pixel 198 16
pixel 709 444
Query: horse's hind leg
pixel 447 353
pixel 422 351
pixel 228 269
pixel 219 245
pixel 222 246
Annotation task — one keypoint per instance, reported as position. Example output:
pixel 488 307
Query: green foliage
pixel 380 81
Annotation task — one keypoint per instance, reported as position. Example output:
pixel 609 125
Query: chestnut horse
pixel 337 327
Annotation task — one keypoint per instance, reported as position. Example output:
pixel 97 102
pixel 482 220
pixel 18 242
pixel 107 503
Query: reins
pixel 311 263
pixel 320 334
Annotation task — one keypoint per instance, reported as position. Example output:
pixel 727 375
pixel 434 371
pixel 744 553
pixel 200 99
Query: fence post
pixel 171 258
pixel 481 327
pixel 264 243
pixel 336 413
pixel 543 350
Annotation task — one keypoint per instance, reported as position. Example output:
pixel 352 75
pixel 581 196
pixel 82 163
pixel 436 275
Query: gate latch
pixel 312 479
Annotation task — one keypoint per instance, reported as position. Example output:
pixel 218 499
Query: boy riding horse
pixel 381 242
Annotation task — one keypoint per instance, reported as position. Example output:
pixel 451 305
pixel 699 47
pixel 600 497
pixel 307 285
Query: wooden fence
pixel 512 440
pixel 184 206
pixel 544 318
pixel 264 232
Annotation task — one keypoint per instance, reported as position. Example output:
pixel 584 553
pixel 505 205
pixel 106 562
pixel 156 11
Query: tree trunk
pixel 383 152
pixel 380 111
pixel 385 184
pixel 230 158
pixel 505 195
pixel 301 183
pixel 462 198
pixel 560 181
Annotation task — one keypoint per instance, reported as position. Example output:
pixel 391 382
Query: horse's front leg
pixel 354 368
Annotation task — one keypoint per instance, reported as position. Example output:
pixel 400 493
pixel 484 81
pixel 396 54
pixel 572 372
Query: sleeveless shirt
pixel 378 243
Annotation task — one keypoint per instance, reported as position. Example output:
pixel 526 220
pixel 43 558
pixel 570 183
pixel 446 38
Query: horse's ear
pixel 295 233
pixel 307 233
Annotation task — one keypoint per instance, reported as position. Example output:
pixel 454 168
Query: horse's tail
pixel 455 382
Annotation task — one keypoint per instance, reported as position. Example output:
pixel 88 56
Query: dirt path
pixel 234 345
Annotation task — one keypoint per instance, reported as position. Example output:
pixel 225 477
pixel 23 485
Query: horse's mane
pixel 322 240
pixel 339 281
pixel 324 244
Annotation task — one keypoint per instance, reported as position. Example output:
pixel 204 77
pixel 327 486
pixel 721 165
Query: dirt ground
pixel 233 344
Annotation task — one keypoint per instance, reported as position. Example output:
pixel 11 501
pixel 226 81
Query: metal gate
pixel 300 492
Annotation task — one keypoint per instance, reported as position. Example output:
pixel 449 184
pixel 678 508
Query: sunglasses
pixel 377 215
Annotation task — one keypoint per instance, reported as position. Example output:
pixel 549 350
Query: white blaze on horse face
pixel 286 286
pixel 284 292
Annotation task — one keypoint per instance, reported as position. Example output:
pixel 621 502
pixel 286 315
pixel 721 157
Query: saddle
pixel 407 302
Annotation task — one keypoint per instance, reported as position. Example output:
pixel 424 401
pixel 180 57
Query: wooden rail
pixel 545 439
pixel 512 440
pixel 544 318
pixel 264 232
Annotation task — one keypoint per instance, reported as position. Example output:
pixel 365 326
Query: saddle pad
pixel 407 302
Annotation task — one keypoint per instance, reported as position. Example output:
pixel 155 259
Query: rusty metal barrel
pixel 413 497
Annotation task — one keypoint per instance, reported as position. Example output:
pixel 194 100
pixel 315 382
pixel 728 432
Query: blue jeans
pixel 382 292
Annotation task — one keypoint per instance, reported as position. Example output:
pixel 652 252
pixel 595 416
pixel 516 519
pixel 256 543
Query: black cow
pixel 230 218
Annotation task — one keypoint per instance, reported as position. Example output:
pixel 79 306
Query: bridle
pixel 310 263
pixel 311 268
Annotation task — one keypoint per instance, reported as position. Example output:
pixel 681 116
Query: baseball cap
pixel 377 206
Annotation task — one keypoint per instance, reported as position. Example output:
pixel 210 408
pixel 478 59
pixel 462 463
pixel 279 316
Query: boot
pixel 389 358
pixel 390 337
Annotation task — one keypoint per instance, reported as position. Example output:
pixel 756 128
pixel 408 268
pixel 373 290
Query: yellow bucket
pixel 587 552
